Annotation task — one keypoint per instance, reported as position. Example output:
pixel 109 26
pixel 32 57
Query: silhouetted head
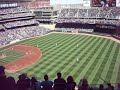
pixel 59 75
pixel 20 77
pixel 33 78
pixel 2 70
pixel 101 87
pixel 112 88
pixel 23 76
pixel 46 77
pixel 118 85
pixel 84 82
pixel 109 84
pixel 91 88
pixel 70 79
pixel 10 80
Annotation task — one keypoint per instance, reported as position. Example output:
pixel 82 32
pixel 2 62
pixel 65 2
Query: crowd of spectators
pixel 21 33
pixel 17 15
pixel 90 15
pixel 13 10
pixel 92 12
pixel 1 27
pixel 20 23
pixel 14 28
pixel 74 30
pixel 26 83
pixel 90 21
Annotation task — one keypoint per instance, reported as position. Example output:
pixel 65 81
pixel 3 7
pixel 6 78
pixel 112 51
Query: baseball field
pixel 90 57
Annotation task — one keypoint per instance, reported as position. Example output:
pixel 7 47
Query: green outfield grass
pixel 81 56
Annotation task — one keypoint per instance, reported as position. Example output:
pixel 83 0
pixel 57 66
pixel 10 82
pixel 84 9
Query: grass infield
pixel 81 56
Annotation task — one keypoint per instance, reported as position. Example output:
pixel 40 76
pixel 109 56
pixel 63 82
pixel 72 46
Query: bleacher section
pixel 18 23
pixel 14 10
pixel 105 19
pixel 92 12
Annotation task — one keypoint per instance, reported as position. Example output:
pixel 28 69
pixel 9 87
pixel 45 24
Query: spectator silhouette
pixel 83 85
pixel 11 84
pixel 91 88
pixel 33 83
pixel 23 83
pixel 47 84
pixel 59 83
pixel 110 87
pixel 101 87
pixel 118 86
pixel 3 79
pixel 70 83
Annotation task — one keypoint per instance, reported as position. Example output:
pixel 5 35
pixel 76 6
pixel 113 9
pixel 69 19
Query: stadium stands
pixel 18 23
pixel 90 15
pixel 92 12
pixel 21 33
pixel 92 19
pixel 14 10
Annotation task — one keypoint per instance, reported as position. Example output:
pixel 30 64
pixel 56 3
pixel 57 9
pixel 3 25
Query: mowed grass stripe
pixel 98 61
pixel 69 57
pixel 87 66
pixel 46 43
pixel 93 67
pixel 61 45
pixel 106 68
pixel 115 74
pixel 112 65
pixel 104 58
pixel 86 58
pixel 71 67
pixel 118 66
pixel 58 53
pixel 70 60
pixel 75 72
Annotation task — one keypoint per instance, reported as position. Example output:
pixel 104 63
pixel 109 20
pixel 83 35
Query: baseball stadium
pixel 43 38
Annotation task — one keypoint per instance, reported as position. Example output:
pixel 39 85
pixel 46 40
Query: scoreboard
pixel 103 3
